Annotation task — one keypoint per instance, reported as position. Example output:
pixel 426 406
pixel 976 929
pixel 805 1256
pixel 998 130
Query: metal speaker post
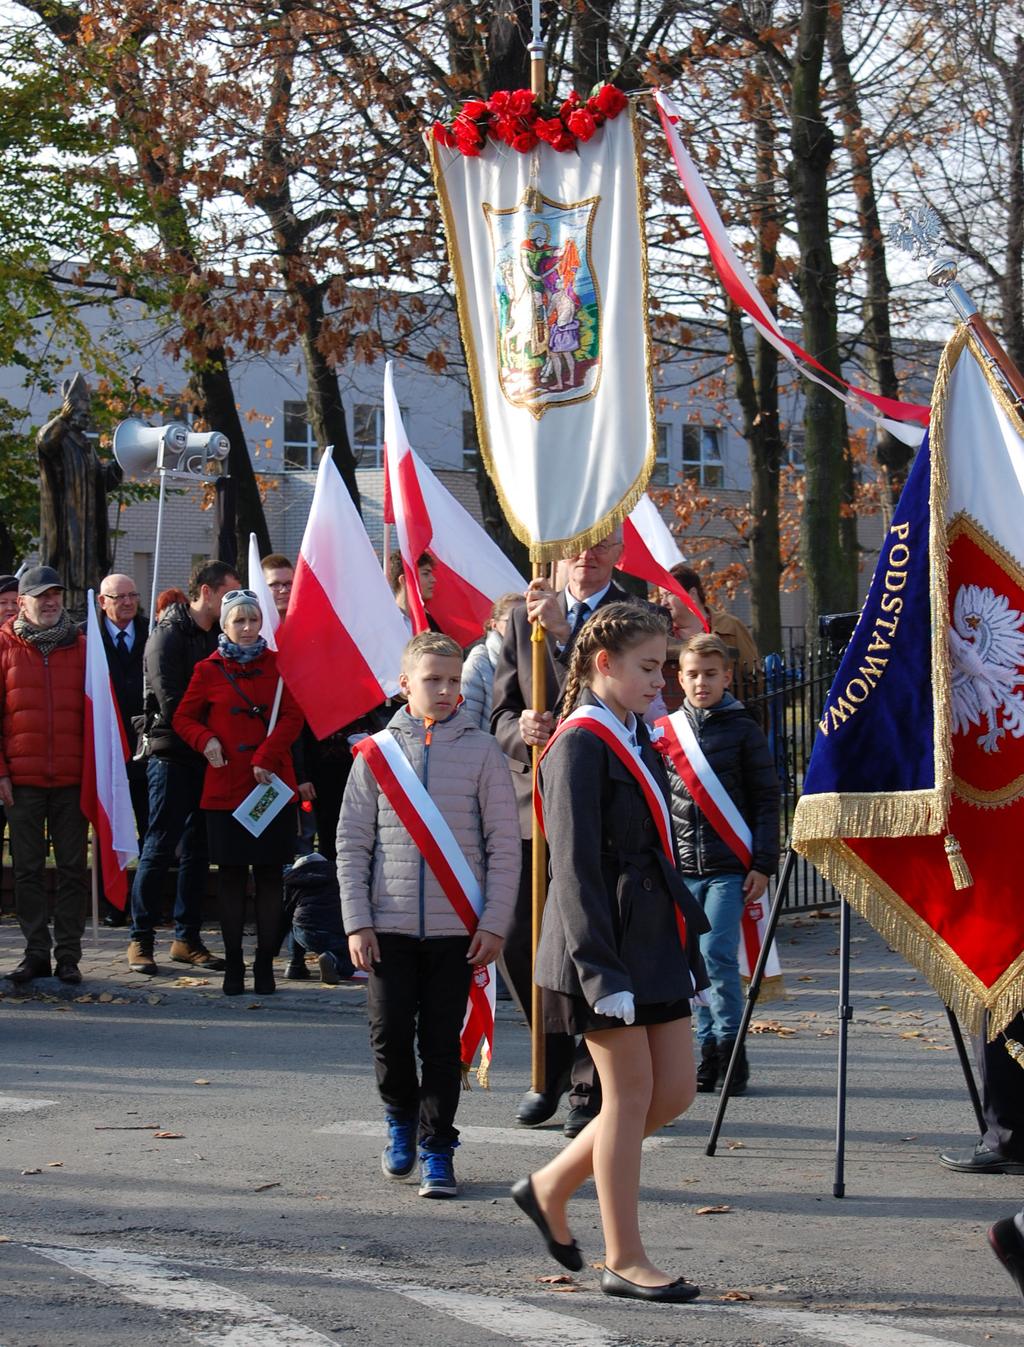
pixel 845 1013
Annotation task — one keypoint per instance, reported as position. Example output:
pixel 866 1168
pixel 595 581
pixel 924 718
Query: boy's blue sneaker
pixel 437 1174
pixel 399 1155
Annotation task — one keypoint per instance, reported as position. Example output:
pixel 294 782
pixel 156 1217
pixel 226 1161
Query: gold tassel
pixel 962 877
pixel 483 1073
pixel 1016 1051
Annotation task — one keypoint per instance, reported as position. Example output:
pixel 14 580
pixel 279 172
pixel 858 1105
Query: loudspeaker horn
pixel 142 449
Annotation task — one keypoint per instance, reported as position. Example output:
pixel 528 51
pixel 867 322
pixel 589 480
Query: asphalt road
pixel 263 1219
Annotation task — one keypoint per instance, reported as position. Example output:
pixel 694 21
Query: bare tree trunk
pixel 894 457
pixel 1012 291
pixel 829 560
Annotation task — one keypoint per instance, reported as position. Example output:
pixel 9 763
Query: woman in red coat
pixel 224 715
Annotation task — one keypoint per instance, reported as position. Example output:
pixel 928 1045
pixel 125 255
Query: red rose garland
pixel 515 117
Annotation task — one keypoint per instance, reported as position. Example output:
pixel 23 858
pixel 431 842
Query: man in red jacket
pixel 42 727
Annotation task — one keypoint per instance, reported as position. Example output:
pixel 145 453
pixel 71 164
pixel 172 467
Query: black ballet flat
pixel 526 1200
pixel 672 1293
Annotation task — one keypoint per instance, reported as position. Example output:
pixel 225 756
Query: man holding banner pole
pixel 530 678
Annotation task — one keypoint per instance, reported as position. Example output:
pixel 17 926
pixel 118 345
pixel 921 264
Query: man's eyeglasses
pixel 122 598
pixel 280 584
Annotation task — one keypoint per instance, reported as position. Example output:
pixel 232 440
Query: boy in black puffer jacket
pixel 312 896
pixel 725 807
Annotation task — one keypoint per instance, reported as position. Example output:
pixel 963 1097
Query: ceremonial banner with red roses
pixel 543 217
pixel 913 800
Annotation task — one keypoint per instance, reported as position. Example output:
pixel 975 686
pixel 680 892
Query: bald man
pixel 124 631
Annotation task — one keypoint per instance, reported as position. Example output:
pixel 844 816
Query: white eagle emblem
pixel 986 643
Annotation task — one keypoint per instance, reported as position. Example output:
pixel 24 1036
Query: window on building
pixel 659 477
pixel 368 433
pixel 795 448
pixel 300 450
pixel 702 455
pixel 470 442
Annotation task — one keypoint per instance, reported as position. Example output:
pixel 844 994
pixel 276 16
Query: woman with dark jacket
pixel 619 945
pixel 225 715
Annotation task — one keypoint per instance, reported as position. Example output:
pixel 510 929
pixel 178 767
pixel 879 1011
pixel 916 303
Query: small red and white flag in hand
pixel 478 1025
pixel 470 570
pixel 340 650
pixel 105 797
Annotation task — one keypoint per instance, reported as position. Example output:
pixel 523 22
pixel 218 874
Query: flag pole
pixel 539 852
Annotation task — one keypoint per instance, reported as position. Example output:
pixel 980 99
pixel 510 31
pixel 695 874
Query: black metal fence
pixel 787 697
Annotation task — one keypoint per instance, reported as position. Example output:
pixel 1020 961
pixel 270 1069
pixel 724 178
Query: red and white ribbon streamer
pixel 906 420
pixel 701 780
pixel 436 842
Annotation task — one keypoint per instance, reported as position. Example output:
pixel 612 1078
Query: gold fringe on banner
pixel 902 928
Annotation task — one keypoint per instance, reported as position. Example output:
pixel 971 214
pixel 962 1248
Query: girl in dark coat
pixel 619 945
pixel 224 715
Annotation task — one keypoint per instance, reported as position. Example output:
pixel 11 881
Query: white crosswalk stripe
pixel 12 1103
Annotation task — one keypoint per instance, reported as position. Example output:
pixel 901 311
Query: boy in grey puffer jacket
pixel 402 927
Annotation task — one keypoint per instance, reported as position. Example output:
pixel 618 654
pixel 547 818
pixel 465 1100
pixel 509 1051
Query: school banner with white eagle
pixel 913 801
pixel 543 214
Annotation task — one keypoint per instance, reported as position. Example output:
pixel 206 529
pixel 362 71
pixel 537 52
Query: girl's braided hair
pixel 614 627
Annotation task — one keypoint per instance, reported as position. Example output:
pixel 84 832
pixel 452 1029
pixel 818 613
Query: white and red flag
pixel 259 586
pixel 340 651
pixel 105 798
pixel 470 570
pixel 649 551
pixel 906 420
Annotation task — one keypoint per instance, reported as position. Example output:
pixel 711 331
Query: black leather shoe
pixel 32 966
pixel 113 917
pixel 981 1160
pixel 525 1199
pixel 68 971
pixel 297 971
pixel 536 1107
pixel 578 1117
pixel 672 1293
pixel 1008 1246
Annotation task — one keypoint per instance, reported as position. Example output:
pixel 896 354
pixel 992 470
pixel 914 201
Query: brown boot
pixel 197 955
pixel 140 957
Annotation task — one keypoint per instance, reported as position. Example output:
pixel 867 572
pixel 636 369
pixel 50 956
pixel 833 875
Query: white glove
pixel 620 1006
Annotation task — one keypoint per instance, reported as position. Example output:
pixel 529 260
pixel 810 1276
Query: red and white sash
pixel 699 778
pixel 719 808
pixel 436 842
pixel 610 729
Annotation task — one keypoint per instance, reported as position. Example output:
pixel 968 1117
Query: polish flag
pixel 261 589
pixel 470 570
pixel 105 798
pixel 649 550
pixel 340 650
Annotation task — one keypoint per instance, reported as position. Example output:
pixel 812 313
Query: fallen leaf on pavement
pixel 805 978
pixel 55 1164
pixel 85 1000
pixel 713 1211
pixel 200 1082
pixel 31 1171
pixel 191 982
pixel 564 1289
pixel 105 997
pixel 262 1187
pixel 913 1033
pixel 736 1295
pixel 168 1136
pixel 736 1145
pixel 937 1047
pixel 771 1027
pixel 556 1279
pixel 910 1138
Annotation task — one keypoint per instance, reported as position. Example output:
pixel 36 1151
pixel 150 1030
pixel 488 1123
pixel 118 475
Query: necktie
pixel 122 646
pixel 578 615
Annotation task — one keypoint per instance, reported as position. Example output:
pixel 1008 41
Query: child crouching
pixel 430 782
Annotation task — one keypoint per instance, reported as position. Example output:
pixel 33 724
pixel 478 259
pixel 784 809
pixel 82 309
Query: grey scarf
pixel 46 639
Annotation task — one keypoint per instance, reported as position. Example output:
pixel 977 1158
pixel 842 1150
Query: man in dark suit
pixel 124 634
pixel 518 729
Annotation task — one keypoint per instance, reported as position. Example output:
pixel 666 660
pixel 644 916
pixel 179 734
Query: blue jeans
pixel 174 816
pixel 319 941
pixel 721 897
